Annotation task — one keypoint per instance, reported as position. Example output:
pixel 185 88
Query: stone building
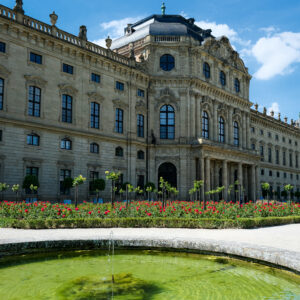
pixel 166 99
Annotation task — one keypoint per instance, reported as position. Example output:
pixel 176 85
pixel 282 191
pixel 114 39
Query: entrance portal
pixel 169 173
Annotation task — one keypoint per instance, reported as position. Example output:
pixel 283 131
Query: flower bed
pixel 147 214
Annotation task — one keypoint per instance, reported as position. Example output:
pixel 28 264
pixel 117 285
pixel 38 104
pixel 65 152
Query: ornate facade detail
pixel 35 80
pixel 141 106
pixel 119 103
pixel 67 89
pixel 94 96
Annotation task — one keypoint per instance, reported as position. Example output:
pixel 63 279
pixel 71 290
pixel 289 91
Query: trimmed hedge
pixel 148 223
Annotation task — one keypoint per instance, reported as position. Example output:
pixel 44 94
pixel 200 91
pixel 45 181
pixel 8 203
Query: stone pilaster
pixel 225 178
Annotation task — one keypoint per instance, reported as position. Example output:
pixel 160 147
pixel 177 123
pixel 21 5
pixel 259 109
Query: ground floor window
pixel 93 176
pixel 64 185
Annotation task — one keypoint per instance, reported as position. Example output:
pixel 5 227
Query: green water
pixel 141 275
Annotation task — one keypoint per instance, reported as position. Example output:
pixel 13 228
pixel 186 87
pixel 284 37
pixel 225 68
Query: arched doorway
pixel 168 172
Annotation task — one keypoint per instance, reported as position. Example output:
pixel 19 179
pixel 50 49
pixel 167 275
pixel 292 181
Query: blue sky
pixel 265 33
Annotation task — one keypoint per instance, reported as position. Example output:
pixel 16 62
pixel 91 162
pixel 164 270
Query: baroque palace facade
pixel 166 99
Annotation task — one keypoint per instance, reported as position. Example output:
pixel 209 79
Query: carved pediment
pixel 4 71
pixel 167 92
pixel 222 49
pixel 35 80
pixel 95 96
pixel 119 103
pixel 67 89
pixel 141 106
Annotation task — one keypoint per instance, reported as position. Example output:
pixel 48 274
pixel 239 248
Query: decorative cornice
pixel 119 103
pixel 94 96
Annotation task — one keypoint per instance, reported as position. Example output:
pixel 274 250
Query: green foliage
pixel 30 180
pixel 3 187
pixel 15 188
pixel 265 186
pixel 150 185
pixel 114 176
pixel 78 180
pixel 98 185
pixel 288 188
pixel 124 185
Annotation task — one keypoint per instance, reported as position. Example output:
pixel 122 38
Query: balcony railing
pixel 8 13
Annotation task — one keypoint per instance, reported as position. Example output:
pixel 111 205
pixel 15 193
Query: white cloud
pixel 269 29
pixel 274 107
pixel 276 54
pixel 223 29
pixel 115 29
pixel 218 29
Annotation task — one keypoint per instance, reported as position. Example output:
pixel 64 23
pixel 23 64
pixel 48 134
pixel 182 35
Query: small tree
pixel 16 188
pixel 79 180
pixel 114 177
pixel 289 188
pixel 31 180
pixel 3 188
pixel 266 188
pixel 98 185
pixel 149 187
pixel 197 187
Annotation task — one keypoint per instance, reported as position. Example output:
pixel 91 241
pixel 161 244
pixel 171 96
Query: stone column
pixel 256 183
pixel 207 175
pixel 230 129
pixel 202 177
pixel 240 175
pixel 192 116
pixel 253 184
pixel 248 132
pixel 198 118
pixel 225 179
pixel 244 131
pixel 216 179
pixel 215 122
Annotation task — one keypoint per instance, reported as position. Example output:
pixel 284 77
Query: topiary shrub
pixel 98 184
pixel 30 180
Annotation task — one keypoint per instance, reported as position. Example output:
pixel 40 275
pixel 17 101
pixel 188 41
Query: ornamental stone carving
pixel 93 96
pixel 35 80
pixel 67 89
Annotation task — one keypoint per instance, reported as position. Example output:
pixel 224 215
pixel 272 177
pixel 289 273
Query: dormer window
pixel 167 62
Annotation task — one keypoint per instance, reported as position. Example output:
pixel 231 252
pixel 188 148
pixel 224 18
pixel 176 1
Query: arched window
pixel 237 86
pixel 167 122
pixel 67 108
pixel 119 152
pixel 33 139
pixel 206 70
pixel 94 148
pixel 222 78
pixel 1 93
pixel 141 154
pixel 236 133
pixel 221 130
pixel 95 112
pixel 167 62
pixel 205 125
pixel 66 144
pixel 34 101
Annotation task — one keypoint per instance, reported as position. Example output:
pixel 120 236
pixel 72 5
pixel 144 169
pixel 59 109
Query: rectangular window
pixel 253 146
pixel 277 156
pixel 297 162
pixel 270 173
pixel 278 174
pixel 140 126
pixel 33 140
pixel 95 78
pixel 1 134
pixel 63 183
pixel 119 121
pixel 283 139
pixel 262 153
pixel 261 132
pixel 95 112
pixel 119 86
pixel 283 158
pixel 269 134
pixel 276 137
pixel 141 93
pixel 284 175
pixel 141 181
pixel 262 172
pixel 291 175
pixel 1 93
pixel 68 69
pixel 291 160
pixel 252 129
pixel 93 176
pixel 34 101
pixel 36 58
pixel 66 109
pixel 32 171
pixel 2 47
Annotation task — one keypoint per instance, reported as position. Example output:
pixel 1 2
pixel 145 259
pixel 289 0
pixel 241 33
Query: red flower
pixel 90 212
pixel 149 214
pixel 63 216
pixel 26 210
pixel 76 208
pixel 42 209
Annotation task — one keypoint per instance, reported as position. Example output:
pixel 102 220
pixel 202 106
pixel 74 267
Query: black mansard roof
pixel 168 25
